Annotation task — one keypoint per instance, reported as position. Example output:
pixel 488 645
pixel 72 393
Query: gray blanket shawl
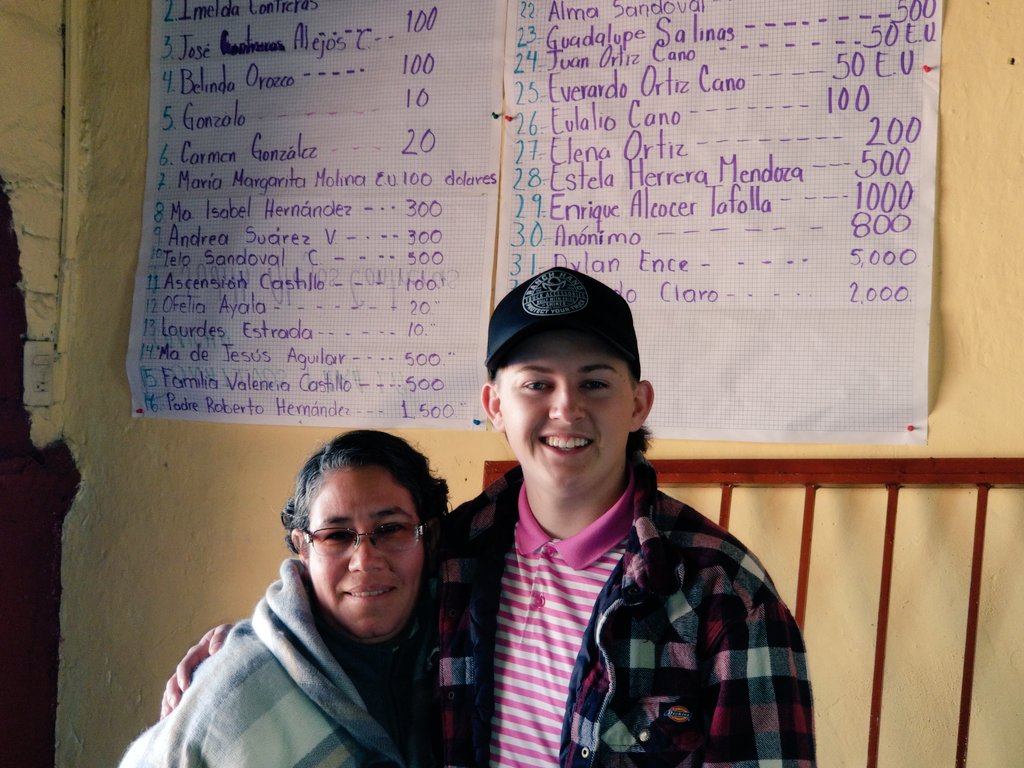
pixel 274 696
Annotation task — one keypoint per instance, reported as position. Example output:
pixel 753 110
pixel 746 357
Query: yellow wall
pixel 175 527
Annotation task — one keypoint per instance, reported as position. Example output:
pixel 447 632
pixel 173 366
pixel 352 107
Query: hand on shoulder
pixel 208 644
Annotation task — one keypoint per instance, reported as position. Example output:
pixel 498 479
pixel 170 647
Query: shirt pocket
pixel 658 730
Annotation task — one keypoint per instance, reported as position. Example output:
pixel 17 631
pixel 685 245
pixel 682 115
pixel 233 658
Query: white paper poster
pixel 757 180
pixel 322 193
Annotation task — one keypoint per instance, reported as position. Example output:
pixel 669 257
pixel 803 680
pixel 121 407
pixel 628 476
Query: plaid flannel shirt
pixel 691 658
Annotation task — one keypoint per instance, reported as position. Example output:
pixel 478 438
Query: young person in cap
pixel 586 617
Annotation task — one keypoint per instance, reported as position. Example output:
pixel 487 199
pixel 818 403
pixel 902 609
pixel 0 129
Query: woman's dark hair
pixel 366 448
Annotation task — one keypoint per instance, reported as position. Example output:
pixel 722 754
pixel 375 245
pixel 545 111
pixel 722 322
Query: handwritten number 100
pixel 418 64
pixel 839 99
pixel 420 21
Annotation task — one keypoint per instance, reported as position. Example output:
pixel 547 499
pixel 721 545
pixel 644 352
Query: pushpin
pixel 926 68
pixel 495 115
pixel 510 118
pixel 910 428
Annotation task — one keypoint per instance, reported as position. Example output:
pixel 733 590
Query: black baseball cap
pixel 558 299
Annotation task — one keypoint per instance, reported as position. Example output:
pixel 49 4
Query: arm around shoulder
pixel 209 644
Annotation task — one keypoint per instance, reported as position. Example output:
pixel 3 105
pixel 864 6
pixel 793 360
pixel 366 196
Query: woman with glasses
pixel 333 668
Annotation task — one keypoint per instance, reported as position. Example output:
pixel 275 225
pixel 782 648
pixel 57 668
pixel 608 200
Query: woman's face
pixel 365 593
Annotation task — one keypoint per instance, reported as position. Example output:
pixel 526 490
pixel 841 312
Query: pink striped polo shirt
pixel 548 593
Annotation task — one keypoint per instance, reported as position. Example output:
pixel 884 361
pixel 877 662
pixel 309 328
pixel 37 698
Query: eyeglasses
pixel 387 537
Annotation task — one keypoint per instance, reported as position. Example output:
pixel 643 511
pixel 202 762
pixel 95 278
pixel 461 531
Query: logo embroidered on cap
pixel 555 293
pixel 679 714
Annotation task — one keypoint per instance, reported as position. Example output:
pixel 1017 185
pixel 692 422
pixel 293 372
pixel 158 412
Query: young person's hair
pixel 638 442
pixel 366 448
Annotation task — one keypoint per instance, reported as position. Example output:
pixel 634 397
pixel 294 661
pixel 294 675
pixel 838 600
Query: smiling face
pixel 567 404
pixel 367 594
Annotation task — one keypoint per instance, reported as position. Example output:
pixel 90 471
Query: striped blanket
pixel 273 697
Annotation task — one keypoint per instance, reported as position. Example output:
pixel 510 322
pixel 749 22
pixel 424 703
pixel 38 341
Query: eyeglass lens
pixel 391 537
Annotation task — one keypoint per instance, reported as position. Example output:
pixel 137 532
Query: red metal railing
pixel 891 474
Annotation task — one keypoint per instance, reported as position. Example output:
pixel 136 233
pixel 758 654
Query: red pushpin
pixel 926 68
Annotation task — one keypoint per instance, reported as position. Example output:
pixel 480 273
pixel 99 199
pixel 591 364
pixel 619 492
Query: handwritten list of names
pixel 757 180
pixel 320 208
pixel 322 205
